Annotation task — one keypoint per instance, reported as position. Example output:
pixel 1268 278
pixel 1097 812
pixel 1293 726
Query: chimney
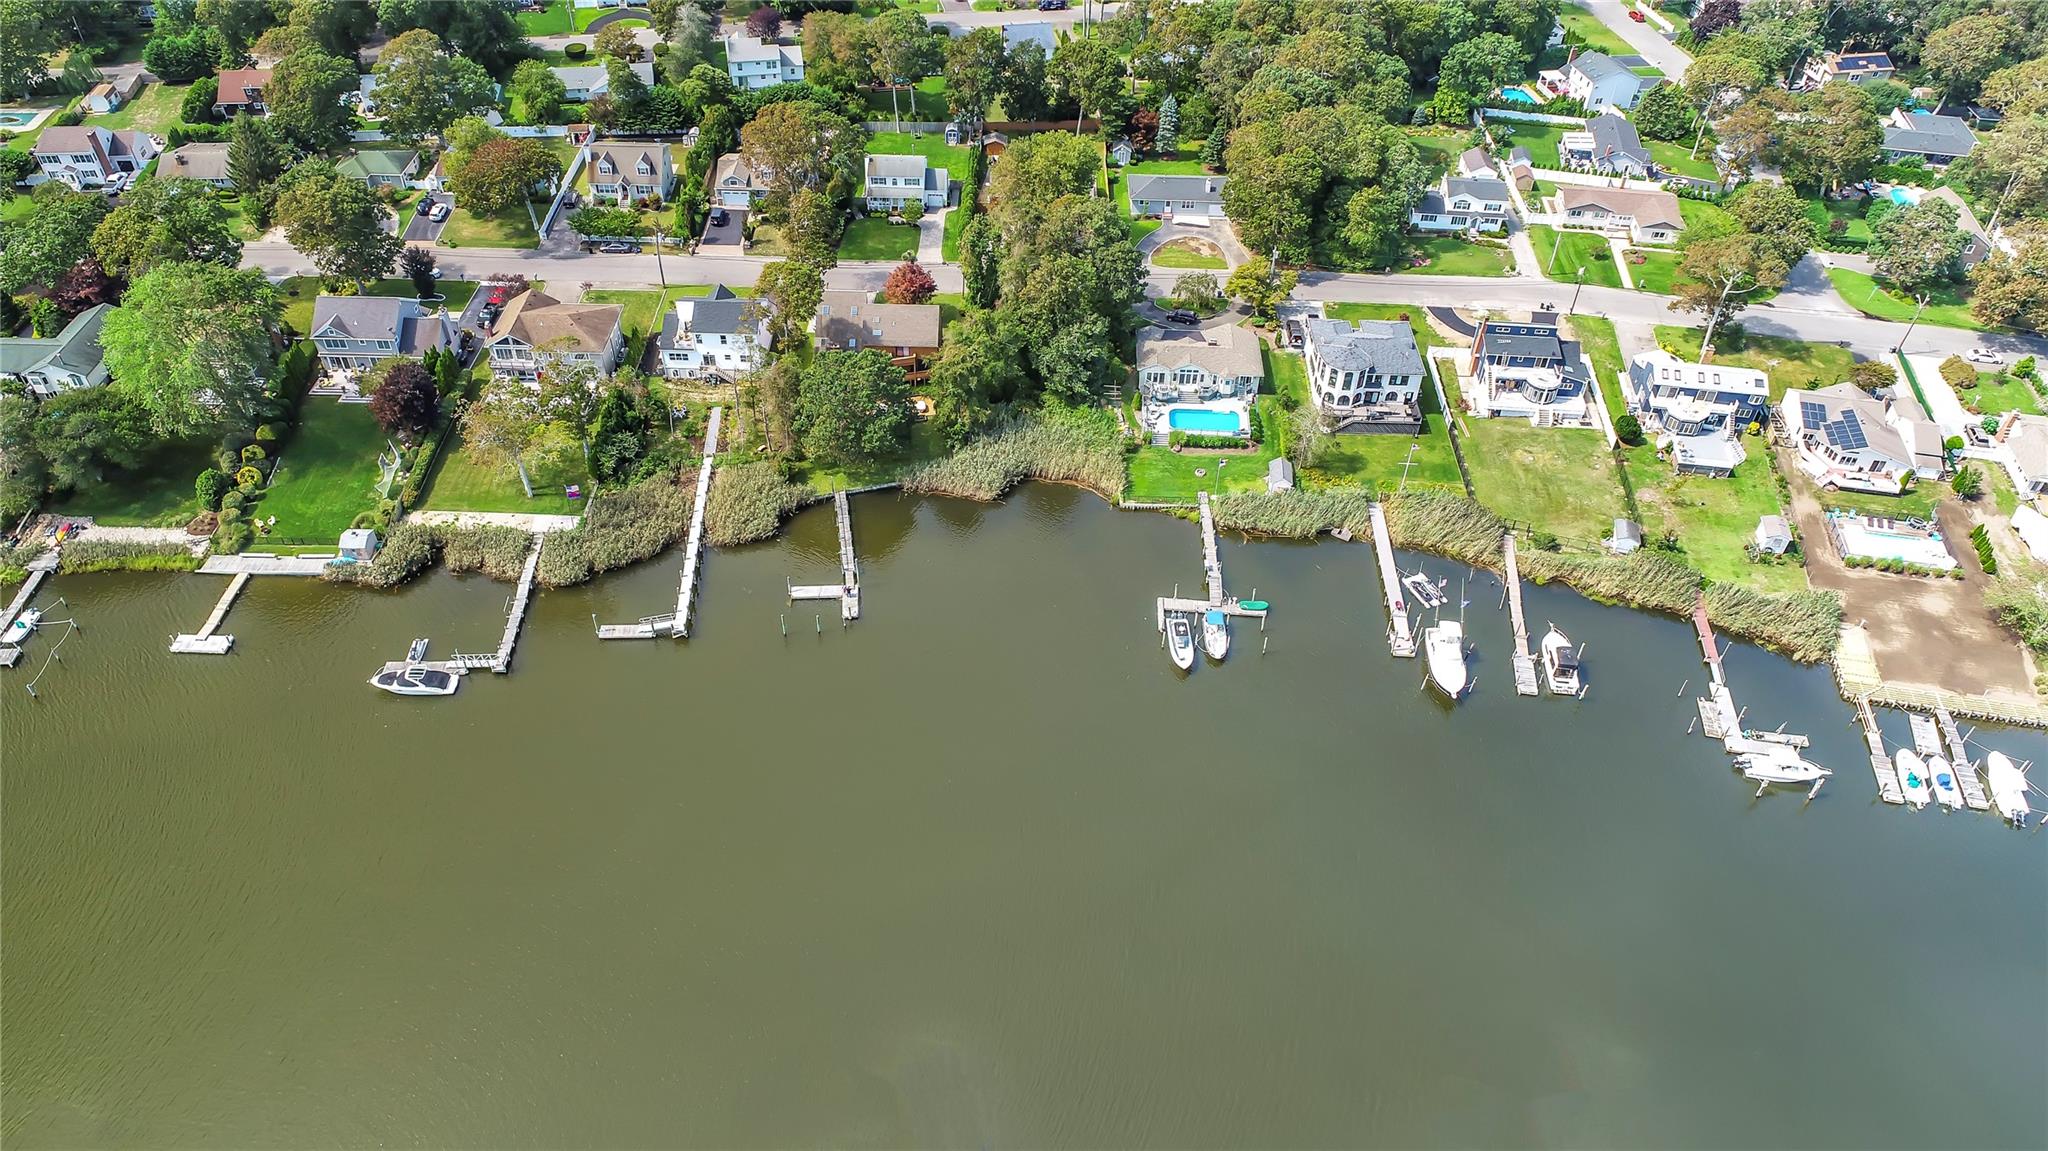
pixel 1210 184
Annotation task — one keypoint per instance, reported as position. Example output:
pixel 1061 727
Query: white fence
pixel 576 163
pixel 1532 117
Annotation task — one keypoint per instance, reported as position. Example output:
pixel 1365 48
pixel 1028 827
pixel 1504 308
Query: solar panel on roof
pixel 1812 413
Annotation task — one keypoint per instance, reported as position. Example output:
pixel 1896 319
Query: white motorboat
pixel 1216 634
pixel 1426 593
pixel 1944 779
pixel 1780 765
pixel 1560 663
pixel 1912 776
pixel 1444 643
pixel 413 679
pixel 2008 788
pixel 1180 641
pixel 25 623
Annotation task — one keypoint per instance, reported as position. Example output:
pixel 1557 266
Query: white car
pixel 1984 356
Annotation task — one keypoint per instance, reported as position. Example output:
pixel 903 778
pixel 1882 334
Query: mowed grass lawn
pixel 1947 306
pixel 925 100
pixel 1790 363
pixel 1453 256
pixel 1560 480
pixel 1376 461
pixel 931 145
pixel 511 228
pixel 1996 393
pixel 153 110
pixel 464 485
pixel 1583 28
pixel 1679 158
pixel 1657 273
pixel 1586 250
pixel 1185 253
pixel 1855 229
pixel 327 472
pixel 157 494
pixel 299 292
pixel 875 238
pixel 551 21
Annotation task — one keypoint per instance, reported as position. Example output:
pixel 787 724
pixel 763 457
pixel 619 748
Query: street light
pixel 1919 302
pixel 1576 291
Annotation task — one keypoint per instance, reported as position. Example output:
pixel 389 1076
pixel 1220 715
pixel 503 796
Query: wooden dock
pixel 39 569
pixel 1926 739
pixel 648 628
pixel 1959 759
pixel 1881 764
pixel 1709 650
pixel 1399 638
pixel 1525 664
pixel 847 590
pixel 1196 607
pixel 9 656
pixel 204 641
pixel 1212 564
pixel 686 593
pixel 515 615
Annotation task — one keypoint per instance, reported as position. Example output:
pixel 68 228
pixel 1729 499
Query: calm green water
pixel 982 871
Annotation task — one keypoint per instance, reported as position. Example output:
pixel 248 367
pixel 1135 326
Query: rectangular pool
pixel 1862 537
pixel 1213 421
pixel 1517 96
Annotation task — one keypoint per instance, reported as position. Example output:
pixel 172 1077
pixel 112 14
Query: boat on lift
pixel 1180 641
pixel 23 626
pixel 1560 662
pixel 1781 765
pixel 415 679
pixel 1426 593
pixel 1216 633
pixel 2008 788
pixel 1444 643
pixel 1944 779
pixel 1913 777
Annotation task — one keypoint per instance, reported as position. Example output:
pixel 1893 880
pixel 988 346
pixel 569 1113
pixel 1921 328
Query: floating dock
pixel 1881 764
pixel 1959 758
pixel 205 641
pixel 1926 738
pixel 847 590
pixel 1525 664
pixel 1399 637
pixel 679 626
pixel 1228 607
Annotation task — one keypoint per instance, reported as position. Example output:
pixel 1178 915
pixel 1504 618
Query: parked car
pixel 425 205
pixel 1052 5
pixel 1183 316
pixel 1984 356
pixel 618 246
pixel 1636 16
pixel 438 213
pixel 720 217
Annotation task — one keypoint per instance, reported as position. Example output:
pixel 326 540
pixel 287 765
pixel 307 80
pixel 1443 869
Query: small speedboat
pixel 25 623
pixel 1944 779
pixel 1426 593
pixel 1215 634
pixel 1444 643
pixel 418 650
pixel 1180 642
pixel 1781 766
pixel 1560 663
pixel 1913 776
pixel 412 679
pixel 2008 788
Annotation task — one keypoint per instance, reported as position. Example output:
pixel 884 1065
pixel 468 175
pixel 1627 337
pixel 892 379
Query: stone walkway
pixel 523 521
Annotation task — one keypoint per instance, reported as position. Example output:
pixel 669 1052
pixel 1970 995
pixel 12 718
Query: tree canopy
pixel 191 344
pixel 852 407
pixel 165 219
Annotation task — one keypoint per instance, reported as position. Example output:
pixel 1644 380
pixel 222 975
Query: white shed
pixel 1773 535
pixel 1627 537
pixel 360 544
pixel 1280 475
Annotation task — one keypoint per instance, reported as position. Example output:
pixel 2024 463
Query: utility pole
pixel 659 267
pixel 1576 291
pixel 1919 303
pixel 1991 229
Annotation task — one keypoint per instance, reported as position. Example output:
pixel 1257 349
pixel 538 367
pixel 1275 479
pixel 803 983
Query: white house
pixel 1609 145
pixel 755 63
pixel 1844 439
pixel 207 163
pixel 894 180
pixel 69 359
pixel 582 83
pixel 1367 377
pixel 87 156
pixel 535 328
pixel 1176 197
pixel 734 184
pixel 1597 79
pixel 712 335
pixel 109 95
pixel 625 171
pixel 354 332
pixel 1855 67
pixel 1525 370
pixel 1696 412
pixel 1037 32
pixel 1458 204
pixel 2022 447
pixel 1645 217
pixel 1475 164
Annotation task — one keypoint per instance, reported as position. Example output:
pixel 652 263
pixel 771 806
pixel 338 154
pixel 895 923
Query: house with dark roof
pixel 1366 377
pixel 69 359
pixel 1855 67
pixel 1608 145
pixel 712 335
pixel 241 90
pixel 1844 439
pixel 891 181
pixel 1525 369
pixel 734 183
pixel 1696 412
pixel 351 333
pixel 86 156
pixel 1459 204
pixel 1933 138
pixel 1176 197
pixel 536 329
pixel 625 171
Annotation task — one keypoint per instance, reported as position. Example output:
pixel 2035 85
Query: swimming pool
pixel 12 120
pixel 1214 421
pixel 1862 537
pixel 1518 96
pixel 1902 197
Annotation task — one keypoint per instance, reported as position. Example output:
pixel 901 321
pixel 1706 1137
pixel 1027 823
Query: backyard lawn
pixel 1679 158
pixel 1855 229
pixel 1917 501
pixel 1376 461
pixel 1139 228
pixel 1540 139
pixel 1455 256
pixel 1586 250
pixel 1947 307
pixel 1185 253
pixel 158 494
pixel 924 447
pixel 874 238
pixel 552 21
pixel 460 484
pixel 511 228
pixel 326 473
pixel 1559 480
pixel 1698 212
pixel 1439 147
pixel 925 101
pixel 1996 394
pixel 1790 363
pixel 954 158
pixel 154 110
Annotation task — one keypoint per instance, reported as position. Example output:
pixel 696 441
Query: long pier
pixel 1709 650
pixel 1959 759
pixel 204 641
pixel 1399 637
pixel 847 590
pixel 522 598
pixel 1881 764
pixel 1212 563
pixel 679 626
pixel 1525 664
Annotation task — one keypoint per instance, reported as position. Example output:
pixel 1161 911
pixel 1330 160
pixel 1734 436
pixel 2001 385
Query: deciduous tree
pixel 797 144
pixel 1961 53
pixel 1717 277
pixel 337 222
pixel 1919 245
pixel 765 22
pixel 406 400
pixel 617 42
pixel 1777 215
pixel 422 89
pixel 974 73
pixel 504 172
pixel 852 407
pixel 836 53
pixel 29 35
pixel 1260 286
pixel 165 219
pixel 902 53
pixel 786 296
pixel 304 96
pixel 417 265
pixel 1715 17
pixel 55 233
pixel 909 283
pixel 538 90
pixel 2013 289
pixel 1483 63
pixel 191 344
pixel 1025 92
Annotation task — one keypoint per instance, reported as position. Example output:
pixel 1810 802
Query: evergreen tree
pixel 1167 138
pixel 1212 148
pixel 254 158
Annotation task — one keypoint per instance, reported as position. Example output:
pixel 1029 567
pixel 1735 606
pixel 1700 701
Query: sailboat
pixel 1216 633
pixel 1913 776
pixel 1180 641
pixel 1944 778
pixel 1560 663
pixel 1444 643
pixel 2008 789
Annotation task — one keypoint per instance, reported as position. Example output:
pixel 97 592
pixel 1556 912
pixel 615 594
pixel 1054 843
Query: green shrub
pixel 209 487
pixel 253 453
pixel 248 476
pixel 227 461
pixel 1628 429
pixel 233 501
pixel 1199 440
pixel 97 555
pixel 748 502
pixel 232 536
pixel 576 50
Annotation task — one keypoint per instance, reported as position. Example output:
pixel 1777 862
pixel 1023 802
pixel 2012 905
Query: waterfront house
pixel 69 359
pixel 241 90
pixel 582 83
pixel 1842 439
pixel 1596 79
pixel 206 163
pixel 110 95
pixel 1609 145
pixel 1696 412
pixel 1645 217
pixel 755 63
pixel 2022 448
pixel 351 333
pixel 624 171
pixel 1933 138
pixel 734 183
pixel 1773 535
pixel 1458 204
pixel 712 335
pixel 1215 372
pixel 380 168
pixel 1195 199
pixel 892 180
pixel 1365 377
pixel 88 156
pixel 907 333
pixel 1855 67
pixel 1523 369
pixel 535 329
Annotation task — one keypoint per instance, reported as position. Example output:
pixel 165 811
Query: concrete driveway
pixel 419 229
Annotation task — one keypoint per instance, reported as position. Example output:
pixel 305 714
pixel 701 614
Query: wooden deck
pixel 39 570
pixel 847 590
pixel 522 598
pixel 1525 664
pixel 1212 564
pixel 1959 758
pixel 1399 636
pixel 1228 607
pixel 1709 650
